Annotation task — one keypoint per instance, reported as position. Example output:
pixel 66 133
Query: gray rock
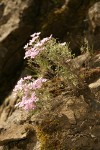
pixel 95 61
pixel 94 16
pixel 95 85
pixel 94 26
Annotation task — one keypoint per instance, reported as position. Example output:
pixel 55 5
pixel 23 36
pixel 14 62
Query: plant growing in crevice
pixel 50 60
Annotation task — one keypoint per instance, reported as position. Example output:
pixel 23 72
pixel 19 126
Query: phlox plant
pixel 26 88
pixel 49 59
pixel 50 56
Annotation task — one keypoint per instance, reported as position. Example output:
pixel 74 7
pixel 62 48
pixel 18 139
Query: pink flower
pixel 38 83
pixel 42 42
pixel 28 103
pixel 31 53
pixel 33 40
pixel 63 44
pixel 27 78
pixel 29 106
pixel 19 85
pixel 34 51
pixel 26 46
pixel 27 87
pixel 28 53
pixel 36 34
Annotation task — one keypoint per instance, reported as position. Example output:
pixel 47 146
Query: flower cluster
pixel 35 45
pixel 27 87
pixel 52 61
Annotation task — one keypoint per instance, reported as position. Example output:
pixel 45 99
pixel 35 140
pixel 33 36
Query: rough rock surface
pixel 94 26
pixel 67 20
pixel 67 121
pixel 17 19
pixel 70 121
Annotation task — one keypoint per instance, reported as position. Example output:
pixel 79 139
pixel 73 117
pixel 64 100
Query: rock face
pixel 67 20
pixel 65 122
pixel 17 19
pixel 94 25
pixel 70 121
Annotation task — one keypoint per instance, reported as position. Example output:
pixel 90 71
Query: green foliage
pixel 85 47
pixel 54 62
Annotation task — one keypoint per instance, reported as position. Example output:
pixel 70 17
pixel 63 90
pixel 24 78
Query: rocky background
pixel 71 122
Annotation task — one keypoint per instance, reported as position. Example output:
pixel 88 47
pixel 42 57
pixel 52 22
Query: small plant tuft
pixel 50 60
